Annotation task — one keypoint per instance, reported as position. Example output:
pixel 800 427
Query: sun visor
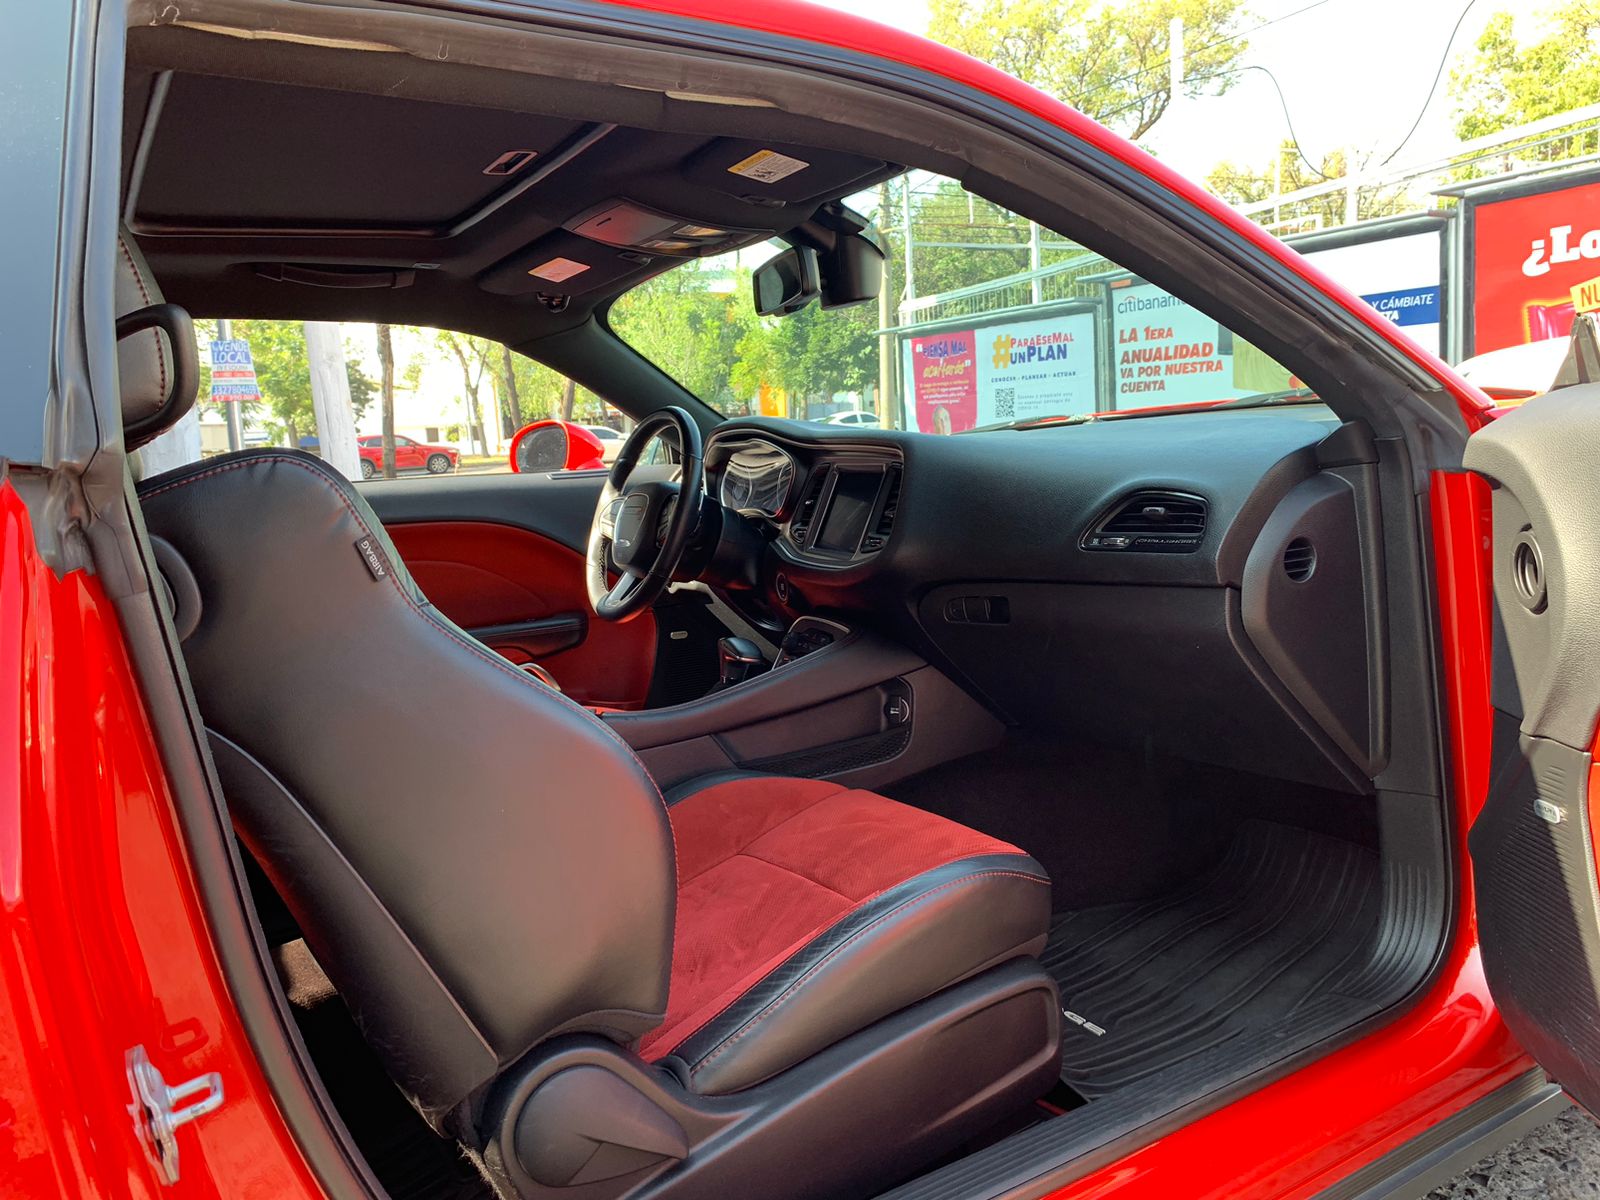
pixel 564 264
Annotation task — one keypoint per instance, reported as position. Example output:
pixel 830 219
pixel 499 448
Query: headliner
pixel 266 179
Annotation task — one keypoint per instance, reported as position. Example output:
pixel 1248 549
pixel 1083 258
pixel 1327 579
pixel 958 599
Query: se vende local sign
pixel 233 371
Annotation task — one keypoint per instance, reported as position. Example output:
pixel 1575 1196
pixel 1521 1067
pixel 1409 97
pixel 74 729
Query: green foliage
pixel 1108 61
pixel 810 355
pixel 689 322
pixel 1510 80
pixel 540 389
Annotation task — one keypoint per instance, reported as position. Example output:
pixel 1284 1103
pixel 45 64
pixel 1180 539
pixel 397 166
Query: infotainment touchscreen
pixel 848 512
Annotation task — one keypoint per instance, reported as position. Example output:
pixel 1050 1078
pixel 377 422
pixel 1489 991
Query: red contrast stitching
pixel 144 294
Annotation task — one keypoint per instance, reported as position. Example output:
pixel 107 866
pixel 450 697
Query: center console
pixel 838 703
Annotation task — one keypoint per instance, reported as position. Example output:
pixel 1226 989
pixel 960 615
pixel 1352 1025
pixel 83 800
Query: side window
pixel 458 401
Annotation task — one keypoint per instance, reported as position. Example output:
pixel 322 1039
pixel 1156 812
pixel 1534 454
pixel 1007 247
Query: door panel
pixel 500 555
pixel 1533 846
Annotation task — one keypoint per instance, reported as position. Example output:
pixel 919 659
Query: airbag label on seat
pixel 373 556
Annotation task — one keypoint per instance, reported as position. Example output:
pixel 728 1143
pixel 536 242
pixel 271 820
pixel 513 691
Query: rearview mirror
pixel 852 271
pixel 787 283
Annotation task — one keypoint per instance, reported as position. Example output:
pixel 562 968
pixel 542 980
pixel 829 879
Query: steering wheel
pixel 642 528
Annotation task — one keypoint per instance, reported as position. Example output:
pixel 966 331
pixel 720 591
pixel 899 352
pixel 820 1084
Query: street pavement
pixel 1560 1160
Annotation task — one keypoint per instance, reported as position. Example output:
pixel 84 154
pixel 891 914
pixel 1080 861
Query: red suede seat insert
pixel 764 865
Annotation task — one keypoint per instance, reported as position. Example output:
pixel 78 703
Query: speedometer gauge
pixel 757 480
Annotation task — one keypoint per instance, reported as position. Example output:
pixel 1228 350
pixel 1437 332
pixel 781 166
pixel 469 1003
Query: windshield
pixel 985 320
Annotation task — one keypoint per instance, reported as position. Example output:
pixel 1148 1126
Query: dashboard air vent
pixel 878 537
pixel 1299 559
pixel 1151 522
pixel 806 513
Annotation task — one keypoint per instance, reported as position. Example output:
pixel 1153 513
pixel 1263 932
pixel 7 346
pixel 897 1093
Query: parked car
pixel 853 418
pixel 610 440
pixel 409 455
pixel 1188 802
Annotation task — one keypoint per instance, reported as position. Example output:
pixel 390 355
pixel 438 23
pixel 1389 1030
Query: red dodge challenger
pixel 1192 801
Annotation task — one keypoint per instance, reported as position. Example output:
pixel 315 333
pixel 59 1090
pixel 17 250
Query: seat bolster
pixel 899 947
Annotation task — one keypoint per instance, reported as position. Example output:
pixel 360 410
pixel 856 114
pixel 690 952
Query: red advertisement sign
pixel 944 380
pixel 1529 253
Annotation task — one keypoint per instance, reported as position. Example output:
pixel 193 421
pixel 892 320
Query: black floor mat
pixel 1287 917
pixel 409 1159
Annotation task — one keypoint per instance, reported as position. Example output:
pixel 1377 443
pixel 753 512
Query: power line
pixel 1276 86
pixel 1221 41
pixel 1437 75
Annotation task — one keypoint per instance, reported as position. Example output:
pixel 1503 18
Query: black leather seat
pixel 582 986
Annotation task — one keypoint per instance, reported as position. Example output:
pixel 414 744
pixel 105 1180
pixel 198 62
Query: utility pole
pixel 1036 261
pixel 235 417
pixel 330 398
pixel 888 413
pixel 910 292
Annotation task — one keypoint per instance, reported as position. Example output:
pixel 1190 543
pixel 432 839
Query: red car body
pixel 105 938
pixel 409 455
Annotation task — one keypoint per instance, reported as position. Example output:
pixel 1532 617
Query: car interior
pixel 800 809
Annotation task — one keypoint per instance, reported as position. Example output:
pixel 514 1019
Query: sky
pixel 1353 73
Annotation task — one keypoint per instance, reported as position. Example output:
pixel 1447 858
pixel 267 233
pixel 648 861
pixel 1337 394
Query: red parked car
pixel 409 455
pixel 1195 801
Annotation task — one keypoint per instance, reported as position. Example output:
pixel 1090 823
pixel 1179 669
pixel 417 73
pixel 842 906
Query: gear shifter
pixel 737 660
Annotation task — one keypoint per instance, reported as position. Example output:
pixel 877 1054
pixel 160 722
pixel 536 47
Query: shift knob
pixel 737 659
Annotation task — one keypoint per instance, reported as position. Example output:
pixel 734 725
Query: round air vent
pixel 1299 559
pixel 1527 573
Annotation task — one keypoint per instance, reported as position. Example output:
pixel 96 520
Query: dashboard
pixel 1175 581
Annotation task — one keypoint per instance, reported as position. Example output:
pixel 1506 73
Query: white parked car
pixel 610 439
pixel 853 418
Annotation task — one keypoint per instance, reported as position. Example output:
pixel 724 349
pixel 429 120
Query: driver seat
pixel 772 986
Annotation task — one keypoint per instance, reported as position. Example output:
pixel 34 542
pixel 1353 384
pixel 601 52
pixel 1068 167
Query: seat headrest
pixel 157 364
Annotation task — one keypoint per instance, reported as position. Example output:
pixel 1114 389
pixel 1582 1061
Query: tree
pixel 687 321
pixel 1242 185
pixel 1109 62
pixel 508 389
pixel 472 354
pixel 1510 81
pixel 386 385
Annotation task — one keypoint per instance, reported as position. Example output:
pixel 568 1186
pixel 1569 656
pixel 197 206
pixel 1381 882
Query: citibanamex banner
pixel 1167 352
pixel 1529 252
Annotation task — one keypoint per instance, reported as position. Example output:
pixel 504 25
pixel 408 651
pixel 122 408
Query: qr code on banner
pixel 1005 403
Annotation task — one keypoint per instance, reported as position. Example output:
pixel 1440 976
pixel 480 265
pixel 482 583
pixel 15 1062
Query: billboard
pixel 1399 274
pixel 1005 370
pixel 1529 247
pixel 1165 351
